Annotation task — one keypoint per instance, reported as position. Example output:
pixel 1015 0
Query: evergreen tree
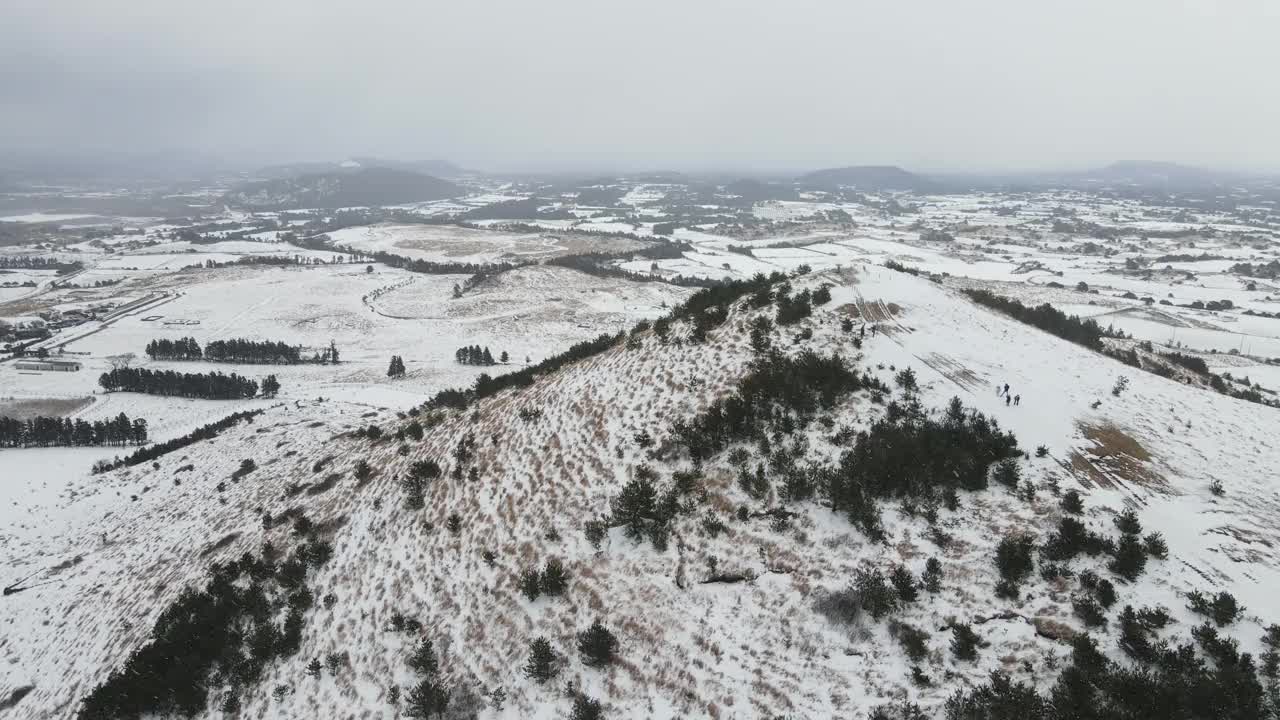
pixel 504 358
pixel 554 579
pixel 932 575
pixel 429 698
pixel 586 708
pixel 597 645
pixel 635 506
pixel 424 661
pixel 1072 503
pixel 905 583
pixel 530 584
pixel 1130 558
pixel 541 666
pixel 270 386
pixel 964 642
pixel 396 369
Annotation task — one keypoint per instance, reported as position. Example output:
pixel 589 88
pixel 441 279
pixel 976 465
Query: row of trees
pixel 210 386
pixel 30 262
pixel 44 431
pixel 239 350
pixel 475 355
pixel 707 307
pixel 151 452
pixel 1046 317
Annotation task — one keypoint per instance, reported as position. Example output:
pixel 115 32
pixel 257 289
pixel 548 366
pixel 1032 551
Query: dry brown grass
pixel 1116 459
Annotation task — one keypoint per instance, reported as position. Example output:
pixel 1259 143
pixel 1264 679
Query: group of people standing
pixel 1008 399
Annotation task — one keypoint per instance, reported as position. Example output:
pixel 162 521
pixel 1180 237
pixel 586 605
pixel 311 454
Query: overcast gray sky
pixel 686 84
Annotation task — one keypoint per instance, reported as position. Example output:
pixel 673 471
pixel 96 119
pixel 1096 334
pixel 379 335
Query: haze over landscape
pixel 519 361
pixel 987 85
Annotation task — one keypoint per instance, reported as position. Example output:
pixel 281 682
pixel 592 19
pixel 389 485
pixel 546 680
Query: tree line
pixel 238 350
pixel 151 452
pixel 707 308
pixel 210 386
pixel 475 355
pixel 1086 332
pixel 43 431
pixel 28 262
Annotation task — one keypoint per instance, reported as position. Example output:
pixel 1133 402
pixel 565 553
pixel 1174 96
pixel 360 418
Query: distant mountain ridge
pixel 869 177
pixel 352 187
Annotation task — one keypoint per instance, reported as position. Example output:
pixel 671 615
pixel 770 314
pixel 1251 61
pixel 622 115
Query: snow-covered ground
pixel 751 649
pixel 101 555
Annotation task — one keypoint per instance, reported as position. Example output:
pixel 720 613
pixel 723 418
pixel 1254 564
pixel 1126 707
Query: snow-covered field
pixel 100 556
pixel 751 649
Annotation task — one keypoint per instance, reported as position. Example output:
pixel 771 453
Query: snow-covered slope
pixel 550 457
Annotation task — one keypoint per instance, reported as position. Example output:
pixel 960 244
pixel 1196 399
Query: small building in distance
pixel 49 364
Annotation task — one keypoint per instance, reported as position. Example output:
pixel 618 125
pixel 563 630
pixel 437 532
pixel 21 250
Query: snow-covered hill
pixel 723 622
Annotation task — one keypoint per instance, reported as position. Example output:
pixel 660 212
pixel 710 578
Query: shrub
pixel 454 523
pixel 1072 503
pixel 843 607
pixel 1155 545
pixel 595 531
pixel 1041 451
pixel 914 641
pixel 1222 608
pixel 1008 474
pixel 1089 611
pixel 597 645
pixel 1128 522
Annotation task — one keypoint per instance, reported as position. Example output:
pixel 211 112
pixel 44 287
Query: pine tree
pixel 530 584
pixel 964 642
pixel 428 698
pixel 597 645
pixel 424 660
pixel 634 506
pixel 554 579
pixel 541 666
pixel 1130 558
pixel 486 357
pixel 1072 503
pixel 586 708
pixel 396 369
pixel 932 576
pixel 270 386
pixel 904 583
pixel 504 358
pixel 1008 474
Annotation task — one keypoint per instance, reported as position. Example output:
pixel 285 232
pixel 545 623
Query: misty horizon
pixel 569 87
